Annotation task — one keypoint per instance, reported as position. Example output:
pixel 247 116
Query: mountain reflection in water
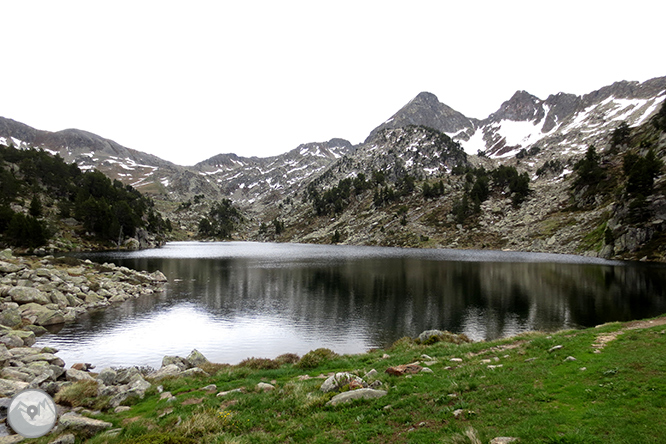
pixel 235 300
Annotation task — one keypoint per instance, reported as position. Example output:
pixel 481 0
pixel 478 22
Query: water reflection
pixel 236 300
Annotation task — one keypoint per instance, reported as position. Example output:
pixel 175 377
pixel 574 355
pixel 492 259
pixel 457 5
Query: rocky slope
pixel 419 147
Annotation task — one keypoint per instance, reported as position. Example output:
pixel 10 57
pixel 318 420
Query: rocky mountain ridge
pixel 423 142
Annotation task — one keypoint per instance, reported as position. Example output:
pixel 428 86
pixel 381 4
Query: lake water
pixel 234 300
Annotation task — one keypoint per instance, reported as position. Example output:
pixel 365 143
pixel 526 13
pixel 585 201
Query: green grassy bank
pixel 603 385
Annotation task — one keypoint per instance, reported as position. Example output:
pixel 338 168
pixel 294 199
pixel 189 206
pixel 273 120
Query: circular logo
pixel 32 413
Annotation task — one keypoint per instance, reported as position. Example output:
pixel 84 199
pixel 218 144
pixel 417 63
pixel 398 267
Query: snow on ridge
pixel 520 132
pixel 475 143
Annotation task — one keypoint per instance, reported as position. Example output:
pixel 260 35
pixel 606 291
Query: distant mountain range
pixel 424 146
pixel 563 124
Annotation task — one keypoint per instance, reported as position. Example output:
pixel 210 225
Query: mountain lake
pixel 235 300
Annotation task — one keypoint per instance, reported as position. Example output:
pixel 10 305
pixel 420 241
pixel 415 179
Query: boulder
pixel 364 393
pixel 9 388
pixel 196 358
pixel 85 426
pixel 400 370
pixel 339 380
pixel 194 371
pixel 24 295
pixel 64 439
pixel 158 276
pixel 11 439
pixel 135 389
pixel 83 366
pixel 428 334
pixel 165 372
pixel 40 315
pixel 181 363
pixel 10 317
pixel 74 375
pixel 107 376
pixel 125 375
pixel 8 267
pixel 264 387
pixel 5 356
pixel 11 341
pixel 27 337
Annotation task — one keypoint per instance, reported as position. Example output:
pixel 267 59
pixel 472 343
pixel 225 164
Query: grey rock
pixel 78 375
pixel 125 375
pixel 264 387
pixel 194 371
pixel 196 358
pixel 5 356
pixel 9 388
pixel 555 348
pixel 107 376
pixel 339 380
pixel 11 341
pixel 504 440
pixel 181 363
pixel 225 393
pixel 8 267
pixel 80 424
pixel 24 295
pixel 64 439
pixel 40 315
pixel 424 336
pixel 11 439
pixel 122 408
pixel 165 372
pixel 364 393
pixel 10 317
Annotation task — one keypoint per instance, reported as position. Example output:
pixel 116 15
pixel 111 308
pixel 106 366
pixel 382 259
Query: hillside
pixel 47 204
pixel 427 177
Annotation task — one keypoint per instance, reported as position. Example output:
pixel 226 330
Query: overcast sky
pixel 188 80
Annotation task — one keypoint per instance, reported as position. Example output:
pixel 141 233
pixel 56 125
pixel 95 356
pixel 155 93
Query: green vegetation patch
pixel 599 385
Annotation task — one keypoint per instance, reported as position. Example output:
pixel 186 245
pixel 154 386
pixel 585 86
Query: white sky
pixel 188 80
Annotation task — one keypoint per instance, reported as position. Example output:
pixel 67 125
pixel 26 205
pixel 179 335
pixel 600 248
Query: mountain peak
pixel 426 109
pixel 521 106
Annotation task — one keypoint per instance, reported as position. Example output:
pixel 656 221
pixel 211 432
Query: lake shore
pixel 434 390
pixel 531 388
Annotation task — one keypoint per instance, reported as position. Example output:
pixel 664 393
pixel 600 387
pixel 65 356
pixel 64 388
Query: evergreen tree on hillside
pixel 106 208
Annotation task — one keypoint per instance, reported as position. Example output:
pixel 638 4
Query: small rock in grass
pixel 552 349
pixel 262 386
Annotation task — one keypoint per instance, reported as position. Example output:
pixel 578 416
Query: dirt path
pixel 605 338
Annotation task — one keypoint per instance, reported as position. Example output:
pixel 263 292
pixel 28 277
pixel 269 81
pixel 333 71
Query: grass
pixel 518 387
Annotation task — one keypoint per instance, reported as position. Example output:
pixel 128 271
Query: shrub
pixel 288 358
pixel 259 363
pixel 81 393
pixel 315 358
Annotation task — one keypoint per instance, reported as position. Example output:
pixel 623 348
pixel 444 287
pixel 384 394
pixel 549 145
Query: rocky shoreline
pixel 38 292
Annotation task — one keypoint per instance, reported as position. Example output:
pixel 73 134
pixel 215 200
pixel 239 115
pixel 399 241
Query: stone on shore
pixel 40 315
pixel 165 372
pixel 196 358
pixel 24 295
pixel 74 375
pixel 9 388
